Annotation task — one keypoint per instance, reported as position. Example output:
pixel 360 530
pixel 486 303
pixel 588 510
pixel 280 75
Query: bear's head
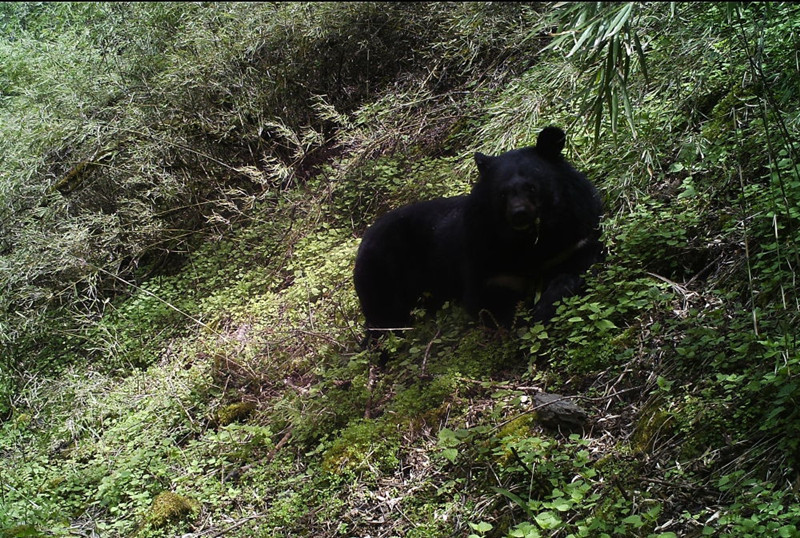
pixel 523 183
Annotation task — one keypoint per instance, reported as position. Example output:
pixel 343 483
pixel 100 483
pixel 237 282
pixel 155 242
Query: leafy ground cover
pixel 181 198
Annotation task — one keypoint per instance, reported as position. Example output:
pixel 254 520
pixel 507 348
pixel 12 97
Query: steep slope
pixel 180 219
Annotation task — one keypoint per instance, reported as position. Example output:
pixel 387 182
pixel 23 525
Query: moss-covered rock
pixel 363 445
pixel 168 507
pixel 235 412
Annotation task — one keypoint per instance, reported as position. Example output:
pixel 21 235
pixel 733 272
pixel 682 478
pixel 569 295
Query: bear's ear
pixel 550 142
pixel 483 162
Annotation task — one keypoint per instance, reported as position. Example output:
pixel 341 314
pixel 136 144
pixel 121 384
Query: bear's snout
pixel 521 216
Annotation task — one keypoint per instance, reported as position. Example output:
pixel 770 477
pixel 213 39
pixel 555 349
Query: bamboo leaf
pixel 640 54
pixel 516 499
pixel 629 112
pixel 620 21
pixel 587 33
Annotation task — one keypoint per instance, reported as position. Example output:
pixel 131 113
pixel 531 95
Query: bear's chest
pixel 519 256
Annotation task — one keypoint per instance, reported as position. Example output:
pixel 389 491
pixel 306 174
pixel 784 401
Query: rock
pixel 559 412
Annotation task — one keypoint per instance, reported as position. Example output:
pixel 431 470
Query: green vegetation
pixel 182 192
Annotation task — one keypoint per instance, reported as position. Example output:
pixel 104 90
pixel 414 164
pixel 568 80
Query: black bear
pixel 527 231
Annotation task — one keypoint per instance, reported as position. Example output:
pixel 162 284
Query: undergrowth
pixel 179 218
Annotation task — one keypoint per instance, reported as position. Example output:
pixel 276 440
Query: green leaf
pixel 483 527
pixel 620 21
pixel 525 530
pixel 635 520
pixel 587 33
pixel 605 324
pixel 548 520
pixel 451 454
pixel 562 505
pixel 676 167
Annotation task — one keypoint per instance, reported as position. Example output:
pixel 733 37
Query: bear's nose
pixel 521 218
